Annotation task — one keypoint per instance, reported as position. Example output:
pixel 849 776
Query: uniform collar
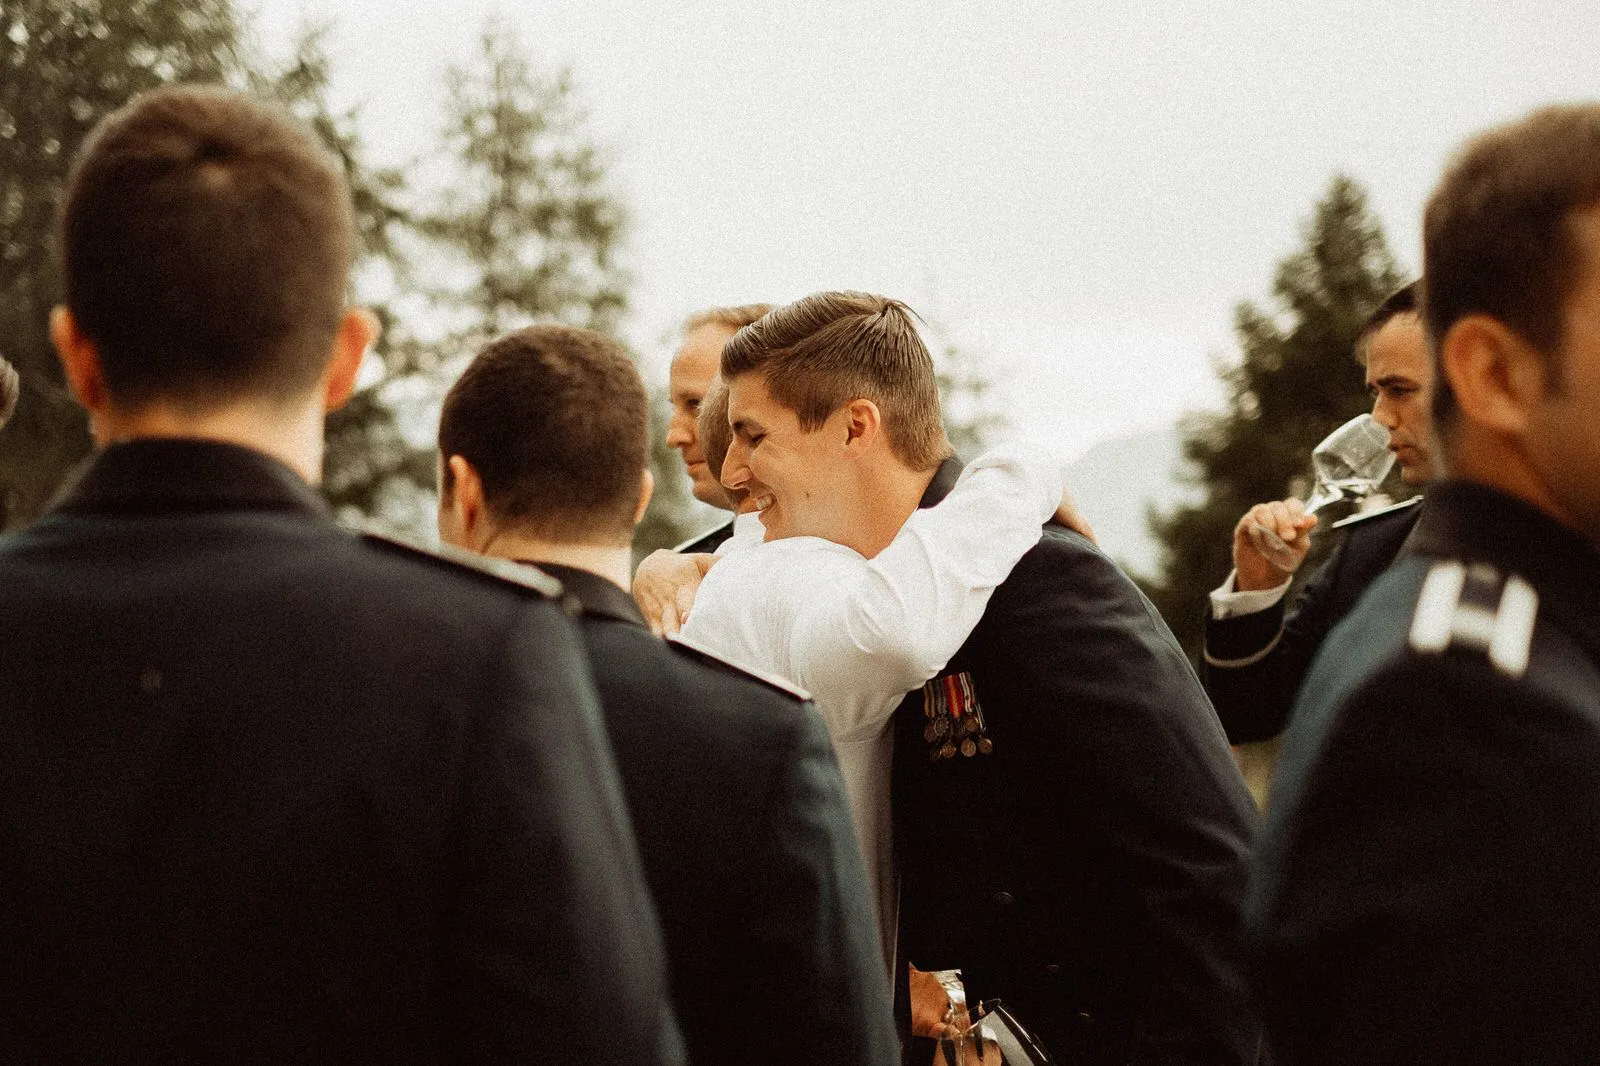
pixel 1474 523
pixel 600 596
pixel 163 475
pixel 944 479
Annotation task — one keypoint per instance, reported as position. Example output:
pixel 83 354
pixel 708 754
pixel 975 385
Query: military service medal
pixel 955 719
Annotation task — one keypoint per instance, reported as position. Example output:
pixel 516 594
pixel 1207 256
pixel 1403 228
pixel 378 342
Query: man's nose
pixel 1383 414
pixel 680 430
pixel 736 466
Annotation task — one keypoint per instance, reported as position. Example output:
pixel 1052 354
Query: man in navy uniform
pixel 1426 886
pixel 1256 655
pixel 690 379
pixel 270 792
pixel 1080 849
pixel 736 797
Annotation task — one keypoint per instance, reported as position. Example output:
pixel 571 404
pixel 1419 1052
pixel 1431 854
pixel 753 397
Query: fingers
pixel 669 620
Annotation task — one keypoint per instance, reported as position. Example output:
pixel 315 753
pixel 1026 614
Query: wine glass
pixel 1350 464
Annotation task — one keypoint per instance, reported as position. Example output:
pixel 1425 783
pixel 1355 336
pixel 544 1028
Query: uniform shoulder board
pixel 1477 607
pixel 1362 516
pixel 516 573
pixel 772 681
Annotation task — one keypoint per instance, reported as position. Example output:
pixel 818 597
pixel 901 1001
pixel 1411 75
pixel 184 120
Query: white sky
pixel 1082 191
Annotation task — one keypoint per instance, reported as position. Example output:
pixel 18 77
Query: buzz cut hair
pixel 556 422
pixel 205 247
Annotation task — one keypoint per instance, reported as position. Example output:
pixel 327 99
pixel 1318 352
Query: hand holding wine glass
pixel 1350 464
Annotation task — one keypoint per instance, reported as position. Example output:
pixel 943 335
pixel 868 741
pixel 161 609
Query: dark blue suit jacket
pixel 1255 663
pixel 1090 870
pixel 1426 885
pixel 745 834
pixel 270 792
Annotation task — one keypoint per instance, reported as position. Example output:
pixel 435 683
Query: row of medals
pixel 953 733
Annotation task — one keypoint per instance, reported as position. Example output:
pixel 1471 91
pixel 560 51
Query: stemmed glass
pixel 1350 464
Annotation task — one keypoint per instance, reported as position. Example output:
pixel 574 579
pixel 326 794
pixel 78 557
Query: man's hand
pixel 1069 515
pixel 1258 570
pixel 664 587
pixel 930 1005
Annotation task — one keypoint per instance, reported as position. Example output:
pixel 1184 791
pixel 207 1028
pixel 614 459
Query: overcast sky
pixel 1082 191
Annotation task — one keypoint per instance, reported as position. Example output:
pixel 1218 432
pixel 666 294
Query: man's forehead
pixel 1400 349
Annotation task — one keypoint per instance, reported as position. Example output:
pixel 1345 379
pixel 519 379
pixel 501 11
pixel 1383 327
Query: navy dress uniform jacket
pixel 270 792
pixel 745 834
pixel 708 542
pixel 1090 870
pixel 1255 663
pixel 1427 884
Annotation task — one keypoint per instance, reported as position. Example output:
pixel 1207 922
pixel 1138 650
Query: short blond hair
pixel 734 318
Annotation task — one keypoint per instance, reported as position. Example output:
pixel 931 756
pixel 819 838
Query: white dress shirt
pixel 858 633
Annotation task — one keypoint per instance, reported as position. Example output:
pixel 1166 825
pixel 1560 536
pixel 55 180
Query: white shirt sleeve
pixel 1229 602
pixel 747 531
pixel 899 617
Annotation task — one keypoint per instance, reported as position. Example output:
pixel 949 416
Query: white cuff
pixel 1226 602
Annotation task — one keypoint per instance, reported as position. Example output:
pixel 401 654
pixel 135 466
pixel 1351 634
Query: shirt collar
pixel 162 475
pixel 944 479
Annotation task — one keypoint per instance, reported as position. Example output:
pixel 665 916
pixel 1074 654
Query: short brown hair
pixel 734 318
pixel 819 353
pixel 716 437
pixel 1403 301
pixel 556 422
pixel 1495 235
pixel 205 243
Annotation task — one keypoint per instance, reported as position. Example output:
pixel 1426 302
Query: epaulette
pixel 1479 608
pixel 772 681
pixel 1362 516
pixel 516 573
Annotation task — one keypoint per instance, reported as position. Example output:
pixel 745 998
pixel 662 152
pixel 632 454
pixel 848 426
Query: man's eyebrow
pixel 745 425
pixel 1390 380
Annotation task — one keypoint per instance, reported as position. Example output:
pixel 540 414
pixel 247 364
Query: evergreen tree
pixel 1295 381
pixel 64 66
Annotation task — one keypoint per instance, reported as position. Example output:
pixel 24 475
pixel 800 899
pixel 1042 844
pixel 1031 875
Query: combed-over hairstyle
pixel 556 422
pixel 734 318
pixel 205 244
pixel 1496 238
pixel 819 353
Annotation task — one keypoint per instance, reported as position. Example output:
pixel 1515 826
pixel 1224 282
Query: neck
pixel 887 497
pixel 293 437
pixel 1500 464
pixel 615 564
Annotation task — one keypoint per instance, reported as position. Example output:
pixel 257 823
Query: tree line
pixel 507 217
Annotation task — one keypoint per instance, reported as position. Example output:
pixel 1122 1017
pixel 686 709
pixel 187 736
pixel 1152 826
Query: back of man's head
pixel 555 421
pixel 205 243
pixel 1497 237
pixel 819 353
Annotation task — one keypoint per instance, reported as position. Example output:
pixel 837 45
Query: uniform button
pixel 150 681
pixel 1003 899
pixel 1054 967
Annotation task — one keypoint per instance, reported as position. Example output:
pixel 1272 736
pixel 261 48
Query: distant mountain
pixel 1115 484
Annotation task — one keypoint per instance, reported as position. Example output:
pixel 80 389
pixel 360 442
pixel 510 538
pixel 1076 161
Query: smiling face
pixel 692 370
pixel 1400 378
pixel 790 473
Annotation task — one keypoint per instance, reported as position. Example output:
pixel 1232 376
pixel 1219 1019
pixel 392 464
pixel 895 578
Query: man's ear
pixel 863 423
pixel 1498 377
pixel 80 361
pixel 647 489
pixel 465 501
pixel 358 329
